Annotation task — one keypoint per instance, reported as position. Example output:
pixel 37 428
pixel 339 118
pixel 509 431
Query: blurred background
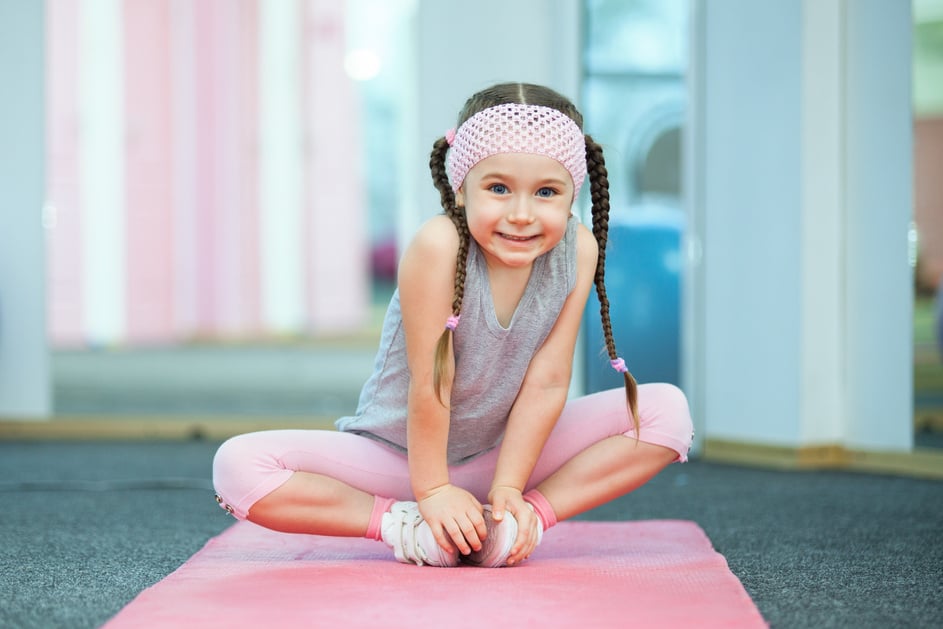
pixel 228 185
pixel 252 227
pixel 928 223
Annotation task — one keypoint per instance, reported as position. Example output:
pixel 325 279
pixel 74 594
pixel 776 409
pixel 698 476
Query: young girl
pixel 464 447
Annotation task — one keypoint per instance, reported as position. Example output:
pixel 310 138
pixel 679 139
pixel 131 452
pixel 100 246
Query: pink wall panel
pixel 336 228
pixel 184 158
pixel 214 173
pixel 205 254
pixel 64 238
pixel 192 140
pixel 248 151
pixel 232 174
pixel 215 131
pixel 149 226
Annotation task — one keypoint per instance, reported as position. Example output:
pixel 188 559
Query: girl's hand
pixel 455 517
pixel 509 500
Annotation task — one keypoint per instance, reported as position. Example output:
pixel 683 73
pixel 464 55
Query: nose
pixel 520 212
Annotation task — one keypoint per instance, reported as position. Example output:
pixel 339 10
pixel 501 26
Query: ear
pixel 460 196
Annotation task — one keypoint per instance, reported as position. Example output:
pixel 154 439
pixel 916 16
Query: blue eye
pixel 498 188
pixel 546 193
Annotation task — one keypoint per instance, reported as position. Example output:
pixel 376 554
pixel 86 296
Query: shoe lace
pixel 409 545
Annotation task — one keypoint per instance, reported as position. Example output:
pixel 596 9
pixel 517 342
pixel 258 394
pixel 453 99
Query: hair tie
pixel 619 365
pixel 450 136
pixel 452 322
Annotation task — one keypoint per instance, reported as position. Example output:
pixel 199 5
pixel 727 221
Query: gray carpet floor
pixel 84 527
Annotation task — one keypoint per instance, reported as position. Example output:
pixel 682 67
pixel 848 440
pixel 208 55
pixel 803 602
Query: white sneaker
pixel 501 535
pixel 411 538
pixel 497 545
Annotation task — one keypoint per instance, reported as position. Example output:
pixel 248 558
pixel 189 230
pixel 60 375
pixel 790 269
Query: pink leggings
pixel 248 467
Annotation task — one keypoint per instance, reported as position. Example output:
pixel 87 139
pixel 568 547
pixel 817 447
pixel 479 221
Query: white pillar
pixel 281 166
pixel 878 175
pixel 822 189
pixel 101 158
pixel 24 361
pixel 800 193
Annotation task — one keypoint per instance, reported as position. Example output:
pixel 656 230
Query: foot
pixel 412 541
pixel 496 547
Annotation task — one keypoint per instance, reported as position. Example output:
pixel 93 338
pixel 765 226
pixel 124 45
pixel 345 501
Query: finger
pixel 442 539
pixel 519 541
pixel 524 552
pixel 481 528
pixel 536 532
pixel 523 533
pixel 498 508
pixel 531 545
pixel 458 538
pixel 470 532
pixel 525 542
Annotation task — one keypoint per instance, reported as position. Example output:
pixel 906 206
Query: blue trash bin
pixel 643 270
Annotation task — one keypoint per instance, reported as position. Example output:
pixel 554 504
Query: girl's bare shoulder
pixel 436 237
pixel 428 264
pixel 587 249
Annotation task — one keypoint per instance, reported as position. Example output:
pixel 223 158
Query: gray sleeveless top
pixel 490 360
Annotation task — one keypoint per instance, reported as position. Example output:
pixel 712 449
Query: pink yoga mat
pixel 658 573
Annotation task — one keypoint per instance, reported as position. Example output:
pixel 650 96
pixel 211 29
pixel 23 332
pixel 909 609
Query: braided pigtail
pixel 444 365
pixel 599 194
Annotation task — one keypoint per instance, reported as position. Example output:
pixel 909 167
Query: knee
pixel 677 408
pixel 227 458
pixel 667 412
pixel 667 398
pixel 233 467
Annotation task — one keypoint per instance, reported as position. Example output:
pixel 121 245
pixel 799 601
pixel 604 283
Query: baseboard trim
pixel 138 428
pixel 920 463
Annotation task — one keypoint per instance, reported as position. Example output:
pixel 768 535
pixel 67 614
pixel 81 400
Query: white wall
pixel 799 186
pixel 24 367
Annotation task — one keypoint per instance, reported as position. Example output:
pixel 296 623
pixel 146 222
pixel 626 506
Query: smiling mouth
pixel 514 238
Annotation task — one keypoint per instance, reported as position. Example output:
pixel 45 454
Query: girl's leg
pixel 593 456
pixel 326 482
pixel 310 481
pixel 315 504
pixel 611 468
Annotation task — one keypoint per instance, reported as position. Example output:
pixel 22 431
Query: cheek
pixel 557 219
pixel 475 223
pixel 481 212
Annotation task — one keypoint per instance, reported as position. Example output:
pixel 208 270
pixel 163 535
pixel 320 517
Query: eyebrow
pixel 542 182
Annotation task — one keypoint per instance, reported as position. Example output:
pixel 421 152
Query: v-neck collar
pixel 491 316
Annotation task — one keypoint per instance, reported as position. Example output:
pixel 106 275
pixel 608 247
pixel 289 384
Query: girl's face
pixel 517 206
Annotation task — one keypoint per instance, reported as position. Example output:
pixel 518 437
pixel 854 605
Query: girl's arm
pixel 426 281
pixel 540 401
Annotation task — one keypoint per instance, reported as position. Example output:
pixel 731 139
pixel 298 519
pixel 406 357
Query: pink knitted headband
pixel 516 128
